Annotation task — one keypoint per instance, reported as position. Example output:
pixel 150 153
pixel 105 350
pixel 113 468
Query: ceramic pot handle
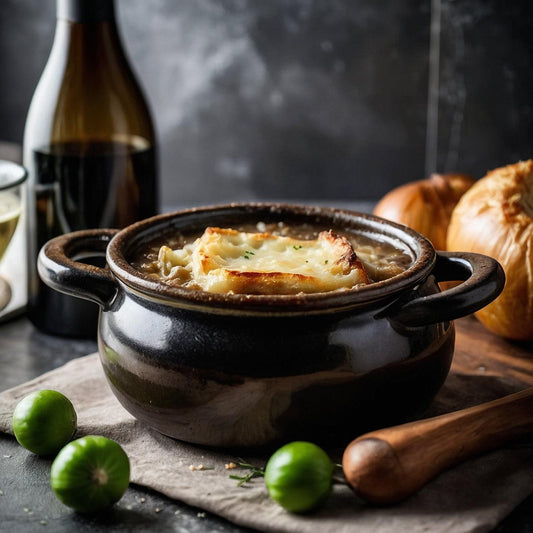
pixel 60 267
pixel 483 280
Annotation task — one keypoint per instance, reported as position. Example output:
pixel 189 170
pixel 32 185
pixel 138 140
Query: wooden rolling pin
pixel 387 465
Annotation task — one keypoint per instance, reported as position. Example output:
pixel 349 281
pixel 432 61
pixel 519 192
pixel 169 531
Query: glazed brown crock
pixel 250 370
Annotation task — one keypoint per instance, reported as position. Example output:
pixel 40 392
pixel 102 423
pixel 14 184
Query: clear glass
pixel 12 176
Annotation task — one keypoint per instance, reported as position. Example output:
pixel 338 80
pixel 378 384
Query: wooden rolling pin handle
pixel 387 465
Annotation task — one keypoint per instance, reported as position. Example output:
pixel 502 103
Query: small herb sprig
pixel 252 473
pixel 248 253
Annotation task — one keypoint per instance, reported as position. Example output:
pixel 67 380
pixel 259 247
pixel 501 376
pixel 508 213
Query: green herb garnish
pixel 251 474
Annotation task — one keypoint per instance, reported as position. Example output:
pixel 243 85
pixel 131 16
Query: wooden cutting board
pixel 480 352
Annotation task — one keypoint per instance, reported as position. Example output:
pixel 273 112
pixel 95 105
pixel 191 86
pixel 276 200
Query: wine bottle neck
pixel 82 11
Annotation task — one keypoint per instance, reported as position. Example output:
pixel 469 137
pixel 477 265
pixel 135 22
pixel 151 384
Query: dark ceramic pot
pixel 242 371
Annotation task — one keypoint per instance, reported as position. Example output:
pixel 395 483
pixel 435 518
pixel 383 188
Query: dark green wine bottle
pixel 89 146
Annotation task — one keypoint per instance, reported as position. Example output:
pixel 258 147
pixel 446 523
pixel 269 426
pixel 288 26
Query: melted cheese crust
pixel 225 260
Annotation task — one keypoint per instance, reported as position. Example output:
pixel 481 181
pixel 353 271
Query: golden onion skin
pixel 425 205
pixel 495 218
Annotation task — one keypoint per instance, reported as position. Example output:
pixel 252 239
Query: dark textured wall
pixel 486 84
pixel 310 99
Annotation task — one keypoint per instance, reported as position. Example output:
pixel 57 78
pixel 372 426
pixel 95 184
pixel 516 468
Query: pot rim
pixel 131 237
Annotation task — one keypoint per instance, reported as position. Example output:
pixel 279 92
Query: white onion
pixel 495 218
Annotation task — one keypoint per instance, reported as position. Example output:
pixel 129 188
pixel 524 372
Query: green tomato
pixel 90 474
pixel 299 476
pixel 44 421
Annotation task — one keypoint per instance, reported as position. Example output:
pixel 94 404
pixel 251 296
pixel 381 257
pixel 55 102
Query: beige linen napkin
pixel 473 496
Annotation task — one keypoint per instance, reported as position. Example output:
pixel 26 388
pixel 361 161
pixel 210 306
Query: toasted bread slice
pixel 225 260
